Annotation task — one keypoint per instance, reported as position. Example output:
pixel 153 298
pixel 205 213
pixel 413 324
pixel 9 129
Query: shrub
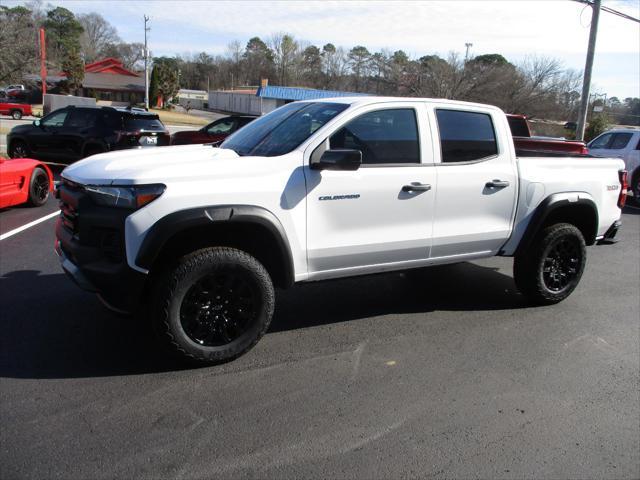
pixel 597 125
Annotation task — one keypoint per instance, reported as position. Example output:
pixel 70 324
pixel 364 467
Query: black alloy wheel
pixel 562 264
pixel 551 268
pixel 39 187
pixel 219 308
pixel 212 305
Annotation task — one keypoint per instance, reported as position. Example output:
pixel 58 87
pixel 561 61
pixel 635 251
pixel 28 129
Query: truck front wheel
pixel 214 304
pixel 551 268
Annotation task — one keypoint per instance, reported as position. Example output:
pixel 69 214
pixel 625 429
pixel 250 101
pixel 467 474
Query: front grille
pixel 69 217
pixel 69 194
pixel 110 242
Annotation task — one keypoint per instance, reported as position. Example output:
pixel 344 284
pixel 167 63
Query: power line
pixel 610 10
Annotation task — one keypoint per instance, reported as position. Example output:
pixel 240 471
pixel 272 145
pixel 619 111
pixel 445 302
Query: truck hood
pixel 151 165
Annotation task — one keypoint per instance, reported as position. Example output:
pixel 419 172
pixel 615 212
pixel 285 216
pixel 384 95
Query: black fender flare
pixel 549 205
pixel 165 228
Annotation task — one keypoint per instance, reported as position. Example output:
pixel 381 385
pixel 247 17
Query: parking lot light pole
pixel 146 65
pixel 586 81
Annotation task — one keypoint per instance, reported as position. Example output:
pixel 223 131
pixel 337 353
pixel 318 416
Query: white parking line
pixel 28 225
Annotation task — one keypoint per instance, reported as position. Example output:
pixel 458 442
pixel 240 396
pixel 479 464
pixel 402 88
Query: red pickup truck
pixel 15 110
pixel 523 140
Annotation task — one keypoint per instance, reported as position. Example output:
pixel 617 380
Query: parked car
pixel 14 109
pixel 214 132
pixel 24 180
pixel 72 133
pixel 318 190
pixel 523 140
pixel 625 144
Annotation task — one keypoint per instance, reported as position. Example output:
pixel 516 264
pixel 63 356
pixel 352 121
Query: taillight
pixel 624 186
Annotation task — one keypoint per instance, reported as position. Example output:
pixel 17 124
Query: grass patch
pixel 175 118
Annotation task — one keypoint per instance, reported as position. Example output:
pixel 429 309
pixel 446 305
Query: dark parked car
pixel 214 132
pixel 72 133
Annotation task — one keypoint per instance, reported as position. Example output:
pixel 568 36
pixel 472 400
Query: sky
pixel 513 28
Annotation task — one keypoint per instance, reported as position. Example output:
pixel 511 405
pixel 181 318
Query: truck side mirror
pixel 339 159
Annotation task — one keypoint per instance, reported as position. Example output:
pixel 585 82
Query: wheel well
pixel 582 216
pixel 255 239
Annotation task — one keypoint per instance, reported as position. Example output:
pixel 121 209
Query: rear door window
pixel 602 141
pixel 81 118
pixel 383 136
pixel 620 141
pixel 466 136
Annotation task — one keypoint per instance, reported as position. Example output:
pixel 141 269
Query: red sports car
pixel 214 132
pixel 24 180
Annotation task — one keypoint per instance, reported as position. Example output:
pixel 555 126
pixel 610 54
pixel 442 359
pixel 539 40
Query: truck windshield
pixel 282 130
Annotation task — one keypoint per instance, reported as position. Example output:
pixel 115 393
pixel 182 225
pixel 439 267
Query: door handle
pixel 416 187
pixel 495 183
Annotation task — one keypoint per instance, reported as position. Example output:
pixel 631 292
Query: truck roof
pixel 372 99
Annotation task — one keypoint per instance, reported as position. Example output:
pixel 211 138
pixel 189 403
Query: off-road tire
pixel 535 270
pixel 39 188
pixel 16 114
pixel 19 149
pixel 174 285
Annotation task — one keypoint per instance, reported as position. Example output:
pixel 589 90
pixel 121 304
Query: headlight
pixel 134 197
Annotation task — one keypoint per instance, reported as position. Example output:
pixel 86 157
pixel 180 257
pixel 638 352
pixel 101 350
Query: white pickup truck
pixel 198 236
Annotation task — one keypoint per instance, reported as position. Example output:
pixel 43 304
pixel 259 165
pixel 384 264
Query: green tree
pixel 63 33
pixel 359 58
pixel 165 81
pixel 599 123
pixel 258 61
pixel 490 59
pixel 312 66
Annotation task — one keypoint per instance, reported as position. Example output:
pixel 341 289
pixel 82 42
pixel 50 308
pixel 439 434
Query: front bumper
pixel 90 245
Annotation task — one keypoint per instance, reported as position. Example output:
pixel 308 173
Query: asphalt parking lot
pixel 443 374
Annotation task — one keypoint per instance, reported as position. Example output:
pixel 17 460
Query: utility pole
pixel 588 67
pixel 146 64
pixel 466 55
pixel 43 64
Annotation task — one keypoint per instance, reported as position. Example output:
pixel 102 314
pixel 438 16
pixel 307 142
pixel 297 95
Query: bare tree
pixel 98 34
pixel 285 50
pixel 234 53
pixel 18 41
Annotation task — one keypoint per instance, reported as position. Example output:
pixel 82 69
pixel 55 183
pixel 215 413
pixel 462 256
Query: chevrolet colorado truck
pixel 197 237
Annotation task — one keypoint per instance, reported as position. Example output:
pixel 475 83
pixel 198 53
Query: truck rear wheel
pixel 16 114
pixel 214 304
pixel 551 268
